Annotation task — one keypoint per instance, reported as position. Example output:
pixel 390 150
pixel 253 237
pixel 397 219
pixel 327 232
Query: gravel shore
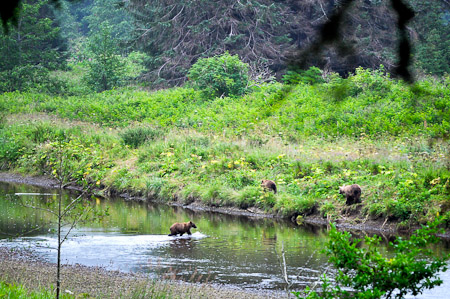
pixel 24 267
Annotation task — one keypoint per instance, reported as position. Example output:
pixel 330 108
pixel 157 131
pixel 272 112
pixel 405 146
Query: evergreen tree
pixel 31 49
pixel 115 14
pixel 106 67
pixel 177 33
pixel 431 34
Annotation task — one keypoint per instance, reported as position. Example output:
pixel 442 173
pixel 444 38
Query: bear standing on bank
pixel 352 193
pixel 269 185
pixel 181 228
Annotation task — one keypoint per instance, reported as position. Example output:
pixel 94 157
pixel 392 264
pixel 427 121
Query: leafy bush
pixel 30 78
pixel 137 136
pixel 224 75
pixel 10 150
pixel 339 89
pixel 311 76
pixel 371 275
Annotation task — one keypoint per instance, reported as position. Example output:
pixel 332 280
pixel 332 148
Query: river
pixel 235 251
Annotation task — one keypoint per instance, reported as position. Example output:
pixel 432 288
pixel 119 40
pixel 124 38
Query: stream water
pixel 235 251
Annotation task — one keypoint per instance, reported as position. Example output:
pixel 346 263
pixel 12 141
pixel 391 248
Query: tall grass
pixel 15 291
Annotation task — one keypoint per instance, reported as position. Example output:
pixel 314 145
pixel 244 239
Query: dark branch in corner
pixel 330 34
pixel 10 9
pixel 405 14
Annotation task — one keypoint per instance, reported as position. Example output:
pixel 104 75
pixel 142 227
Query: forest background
pixel 154 43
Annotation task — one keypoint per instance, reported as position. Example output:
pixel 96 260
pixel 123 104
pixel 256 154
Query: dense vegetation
pixel 175 144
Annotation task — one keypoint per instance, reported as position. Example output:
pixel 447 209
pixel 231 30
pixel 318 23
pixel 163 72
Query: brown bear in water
pixel 352 193
pixel 269 185
pixel 181 228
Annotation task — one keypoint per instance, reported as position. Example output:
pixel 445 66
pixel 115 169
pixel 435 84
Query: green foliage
pixel 369 274
pixel 224 75
pixel 106 68
pixel 74 79
pixel 81 163
pixel 11 148
pixel 137 136
pixel 28 51
pixel 311 76
pixel 432 37
pixel 113 13
pixel 368 103
pixel 8 290
pixel 134 65
pixel 37 147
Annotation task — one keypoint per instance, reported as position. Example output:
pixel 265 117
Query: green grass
pixel 20 292
pixel 150 289
pixel 389 137
pixel 367 103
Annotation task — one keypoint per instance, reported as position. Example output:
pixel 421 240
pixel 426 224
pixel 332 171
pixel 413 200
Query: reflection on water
pixel 223 249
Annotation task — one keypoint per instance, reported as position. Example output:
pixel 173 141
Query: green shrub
pixel 267 199
pixel 106 68
pixel 134 137
pixel 44 131
pixel 168 190
pixel 153 186
pixel 10 151
pixel 224 75
pixel 311 76
pixel 30 78
pixel 301 169
pixel 12 146
pixel 340 89
pixel 365 271
pixel 239 179
pixel 305 205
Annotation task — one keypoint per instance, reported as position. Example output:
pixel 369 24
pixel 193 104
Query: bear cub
pixel 181 228
pixel 352 193
pixel 269 185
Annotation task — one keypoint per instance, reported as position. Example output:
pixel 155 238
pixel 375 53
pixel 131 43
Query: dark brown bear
pixel 181 228
pixel 352 193
pixel 269 185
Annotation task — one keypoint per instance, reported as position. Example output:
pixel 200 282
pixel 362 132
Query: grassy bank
pixel 389 137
